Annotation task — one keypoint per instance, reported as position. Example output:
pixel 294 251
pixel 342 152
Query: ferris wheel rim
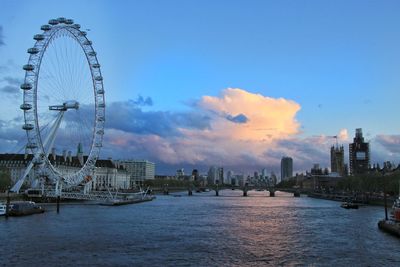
pixel 30 88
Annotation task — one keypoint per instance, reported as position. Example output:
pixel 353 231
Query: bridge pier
pixel 165 190
pixel 8 203
pixel 272 193
pixel 190 192
pixel 245 189
pixel 217 190
pixel 58 204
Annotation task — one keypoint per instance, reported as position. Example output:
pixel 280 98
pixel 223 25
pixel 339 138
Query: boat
pixel 22 208
pixel 3 208
pixel 119 202
pixel 396 209
pixel 349 205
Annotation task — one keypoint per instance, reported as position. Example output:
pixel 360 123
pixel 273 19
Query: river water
pixel 202 230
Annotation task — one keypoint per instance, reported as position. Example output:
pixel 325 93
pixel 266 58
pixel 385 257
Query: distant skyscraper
pixel 215 175
pixel 264 173
pixel 286 168
pixel 359 154
pixel 337 160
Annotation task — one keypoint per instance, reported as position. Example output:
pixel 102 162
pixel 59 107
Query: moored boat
pixel 3 208
pixel 396 210
pixel 118 202
pixel 22 208
pixel 349 205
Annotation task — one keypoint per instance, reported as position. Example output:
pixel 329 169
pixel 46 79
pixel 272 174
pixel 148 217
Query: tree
pixel 5 179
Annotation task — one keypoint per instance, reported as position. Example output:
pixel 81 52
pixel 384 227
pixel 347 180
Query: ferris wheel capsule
pixel 27 127
pixel 28 67
pixel 45 27
pixel 53 22
pixel 26 106
pixel 38 37
pixel 33 50
pixel 61 20
pixel 26 86
pixel 69 21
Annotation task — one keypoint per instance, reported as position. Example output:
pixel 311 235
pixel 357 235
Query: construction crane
pixel 336 137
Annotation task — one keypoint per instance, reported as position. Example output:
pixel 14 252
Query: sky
pixel 238 84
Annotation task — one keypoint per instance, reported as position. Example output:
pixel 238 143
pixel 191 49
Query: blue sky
pixel 338 60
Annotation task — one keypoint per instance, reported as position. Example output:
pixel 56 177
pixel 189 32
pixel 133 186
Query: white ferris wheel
pixel 63 102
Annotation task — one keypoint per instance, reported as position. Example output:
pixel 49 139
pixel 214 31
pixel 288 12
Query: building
pixel 138 171
pixel 359 154
pixel 337 160
pixel 215 175
pixel 286 168
pixel 106 174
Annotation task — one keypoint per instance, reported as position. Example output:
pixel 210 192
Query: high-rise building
pixel 286 168
pixel 359 154
pixel 337 160
pixel 215 175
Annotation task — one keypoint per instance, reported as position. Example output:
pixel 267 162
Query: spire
pixel 80 150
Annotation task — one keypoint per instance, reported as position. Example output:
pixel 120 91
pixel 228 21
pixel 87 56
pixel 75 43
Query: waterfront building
pixel 138 171
pixel 337 160
pixel 180 174
pixel 195 175
pixel 286 168
pixel 106 175
pixel 359 154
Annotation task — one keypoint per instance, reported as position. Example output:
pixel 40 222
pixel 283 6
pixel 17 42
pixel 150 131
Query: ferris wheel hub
pixel 72 104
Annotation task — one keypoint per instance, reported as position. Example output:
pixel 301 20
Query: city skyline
pixel 234 84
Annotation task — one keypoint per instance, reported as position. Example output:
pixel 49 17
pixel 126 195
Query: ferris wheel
pixel 63 103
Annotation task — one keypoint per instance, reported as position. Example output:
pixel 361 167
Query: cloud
pixel 1 36
pixel 390 143
pixel 266 118
pixel 241 118
pixel 141 101
pixel 11 87
pixel 128 117
pixel 343 135
pixel 233 130
pixel 239 130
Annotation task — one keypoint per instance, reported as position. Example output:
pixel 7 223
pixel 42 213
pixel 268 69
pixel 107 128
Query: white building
pixel 106 174
pixel 138 170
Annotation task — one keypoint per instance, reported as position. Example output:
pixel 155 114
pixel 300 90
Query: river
pixel 202 230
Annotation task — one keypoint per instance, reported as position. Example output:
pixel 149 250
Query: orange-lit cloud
pixel 242 126
pixel 266 118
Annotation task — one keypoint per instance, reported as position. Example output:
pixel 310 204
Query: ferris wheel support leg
pixel 50 138
pixel 17 186
pixel 53 133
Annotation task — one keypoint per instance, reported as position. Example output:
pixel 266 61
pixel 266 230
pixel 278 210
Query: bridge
pixel 245 188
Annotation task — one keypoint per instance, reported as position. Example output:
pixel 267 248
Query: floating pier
pixel 390 227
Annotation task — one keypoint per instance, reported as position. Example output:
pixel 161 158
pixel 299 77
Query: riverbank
pixel 374 201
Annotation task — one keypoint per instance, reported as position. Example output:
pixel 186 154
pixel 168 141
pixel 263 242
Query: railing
pixel 94 195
